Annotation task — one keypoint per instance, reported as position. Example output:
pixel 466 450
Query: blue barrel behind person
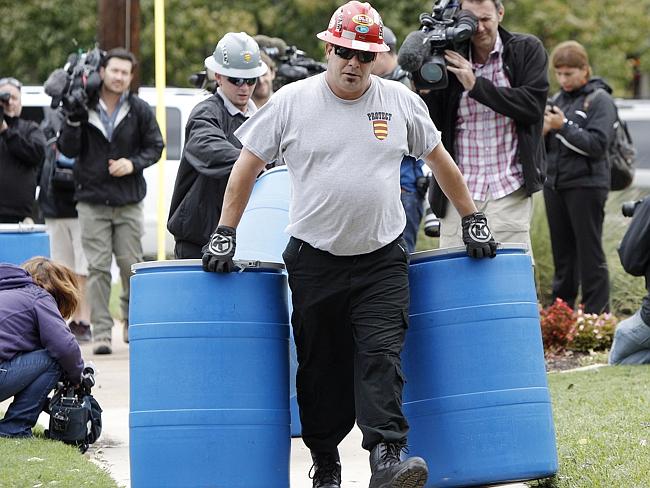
pixel 209 402
pixel 476 396
pixel 19 242
pixel 260 235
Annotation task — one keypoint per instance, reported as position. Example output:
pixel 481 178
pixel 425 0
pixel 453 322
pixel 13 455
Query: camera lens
pixel 628 208
pixel 431 224
pixel 432 71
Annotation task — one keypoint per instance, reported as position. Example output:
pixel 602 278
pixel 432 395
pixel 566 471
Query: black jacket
pixel 575 153
pixel 634 251
pixel 525 64
pixel 22 149
pixel 55 199
pixel 209 154
pixel 136 137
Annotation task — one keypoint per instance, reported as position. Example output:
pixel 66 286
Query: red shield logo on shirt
pixel 380 129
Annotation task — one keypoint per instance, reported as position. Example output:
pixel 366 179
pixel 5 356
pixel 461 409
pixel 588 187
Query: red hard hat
pixel 356 25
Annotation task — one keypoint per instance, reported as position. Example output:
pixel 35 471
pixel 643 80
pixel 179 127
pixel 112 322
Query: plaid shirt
pixel 486 141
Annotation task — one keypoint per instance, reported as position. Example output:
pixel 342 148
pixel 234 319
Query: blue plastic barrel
pixel 476 396
pixel 208 377
pixel 19 242
pixel 260 235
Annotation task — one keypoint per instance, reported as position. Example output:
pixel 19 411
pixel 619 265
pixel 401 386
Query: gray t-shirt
pixel 343 158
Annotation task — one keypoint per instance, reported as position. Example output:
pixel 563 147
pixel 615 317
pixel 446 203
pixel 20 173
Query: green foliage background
pixel 37 35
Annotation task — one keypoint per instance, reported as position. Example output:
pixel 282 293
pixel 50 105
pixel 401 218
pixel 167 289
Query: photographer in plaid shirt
pixel 491 116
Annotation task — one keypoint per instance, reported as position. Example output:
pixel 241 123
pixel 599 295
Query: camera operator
pixel 22 150
pixel 114 140
pixel 491 116
pixel 412 193
pixel 264 86
pixel 36 347
pixel 632 337
pixel 211 147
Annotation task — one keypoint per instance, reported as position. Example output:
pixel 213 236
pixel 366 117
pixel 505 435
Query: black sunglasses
pixel 241 81
pixel 347 53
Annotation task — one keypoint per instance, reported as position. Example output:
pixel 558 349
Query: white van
pixel 179 103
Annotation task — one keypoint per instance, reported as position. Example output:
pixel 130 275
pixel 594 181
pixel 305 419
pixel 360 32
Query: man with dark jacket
pixel 22 149
pixel 632 337
pixel 113 141
pixel 211 148
pixel 491 118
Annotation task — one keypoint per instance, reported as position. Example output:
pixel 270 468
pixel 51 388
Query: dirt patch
pixel 573 359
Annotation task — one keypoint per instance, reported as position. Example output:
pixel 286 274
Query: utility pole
pixel 119 26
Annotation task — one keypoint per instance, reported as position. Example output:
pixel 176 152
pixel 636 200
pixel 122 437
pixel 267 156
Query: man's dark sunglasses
pixel 241 81
pixel 347 53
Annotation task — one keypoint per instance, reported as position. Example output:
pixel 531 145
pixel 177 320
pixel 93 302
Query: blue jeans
pixel 29 378
pixel 414 209
pixel 631 342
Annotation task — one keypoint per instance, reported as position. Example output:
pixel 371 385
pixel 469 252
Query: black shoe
pixel 103 346
pixel 81 331
pixel 389 472
pixel 125 331
pixel 326 469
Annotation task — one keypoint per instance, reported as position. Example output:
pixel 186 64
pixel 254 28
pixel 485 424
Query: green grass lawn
pixel 40 462
pixel 602 422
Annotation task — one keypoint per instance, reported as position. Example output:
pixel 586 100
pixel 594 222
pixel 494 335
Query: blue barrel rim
pixel 245 264
pixel 275 169
pixel 444 252
pixel 20 228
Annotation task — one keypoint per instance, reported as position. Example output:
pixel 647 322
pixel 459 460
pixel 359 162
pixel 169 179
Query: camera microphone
pixel 413 51
pixel 56 83
pixel 273 46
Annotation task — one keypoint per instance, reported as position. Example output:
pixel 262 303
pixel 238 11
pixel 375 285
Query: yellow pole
pixel 159 27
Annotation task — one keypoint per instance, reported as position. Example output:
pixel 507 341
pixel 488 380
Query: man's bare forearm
pixel 240 185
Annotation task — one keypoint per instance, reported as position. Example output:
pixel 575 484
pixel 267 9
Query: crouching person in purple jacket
pixel 37 348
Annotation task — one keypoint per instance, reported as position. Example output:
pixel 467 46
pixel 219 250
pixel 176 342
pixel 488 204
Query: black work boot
pixel 326 470
pixel 389 472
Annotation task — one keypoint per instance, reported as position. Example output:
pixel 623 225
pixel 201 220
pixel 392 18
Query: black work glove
pixel 477 236
pixel 75 109
pixel 219 251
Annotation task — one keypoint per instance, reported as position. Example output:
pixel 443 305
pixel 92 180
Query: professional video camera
pixel 75 415
pixel 423 51
pixel 628 208
pixel 292 64
pixel 4 98
pixel 77 84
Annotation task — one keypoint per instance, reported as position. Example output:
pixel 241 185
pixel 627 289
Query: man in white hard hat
pixel 211 148
pixel 342 135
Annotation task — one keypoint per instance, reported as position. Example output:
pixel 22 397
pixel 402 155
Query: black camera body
pixel 4 98
pixel 82 83
pixel 293 65
pixel 628 208
pixel 445 28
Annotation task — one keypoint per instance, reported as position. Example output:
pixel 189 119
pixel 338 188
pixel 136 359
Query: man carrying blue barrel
pixel 342 135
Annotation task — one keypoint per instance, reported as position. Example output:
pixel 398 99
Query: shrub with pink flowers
pixel 565 329
pixel 593 332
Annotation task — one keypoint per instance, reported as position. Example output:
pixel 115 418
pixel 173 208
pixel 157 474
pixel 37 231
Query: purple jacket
pixel 30 320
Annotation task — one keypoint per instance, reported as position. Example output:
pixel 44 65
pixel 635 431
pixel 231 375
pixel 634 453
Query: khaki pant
pixel 108 231
pixel 508 218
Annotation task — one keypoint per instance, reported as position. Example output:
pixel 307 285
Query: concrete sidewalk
pixel 112 449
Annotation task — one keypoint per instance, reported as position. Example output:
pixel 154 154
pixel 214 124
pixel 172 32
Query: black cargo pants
pixel 350 315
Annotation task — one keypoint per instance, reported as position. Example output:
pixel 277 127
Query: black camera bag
pixel 74 419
